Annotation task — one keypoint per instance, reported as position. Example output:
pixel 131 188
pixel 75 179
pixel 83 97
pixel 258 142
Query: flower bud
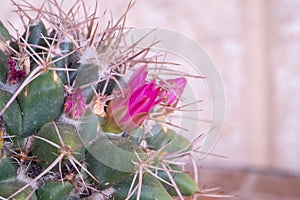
pixel 14 75
pixel 75 104
pixel 129 112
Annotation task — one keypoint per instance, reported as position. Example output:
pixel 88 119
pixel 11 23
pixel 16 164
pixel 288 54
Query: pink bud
pixel 14 75
pixel 75 104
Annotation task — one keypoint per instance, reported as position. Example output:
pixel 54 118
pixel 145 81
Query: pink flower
pixel 128 113
pixel 75 104
pixel 172 90
pixel 14 75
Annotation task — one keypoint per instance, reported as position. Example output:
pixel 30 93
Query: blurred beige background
pixel 256 47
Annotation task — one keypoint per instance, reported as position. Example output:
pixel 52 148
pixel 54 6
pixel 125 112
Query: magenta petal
pixel 140 98
pixel 75 104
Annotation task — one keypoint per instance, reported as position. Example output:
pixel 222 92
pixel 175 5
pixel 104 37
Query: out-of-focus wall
pixel 256 47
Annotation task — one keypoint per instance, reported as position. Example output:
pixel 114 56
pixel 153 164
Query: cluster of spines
pixel 64 80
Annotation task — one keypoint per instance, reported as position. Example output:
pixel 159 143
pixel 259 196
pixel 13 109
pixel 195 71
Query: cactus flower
pixel 172 90
pixel 129 112
pixel 75 104
pixel 14 75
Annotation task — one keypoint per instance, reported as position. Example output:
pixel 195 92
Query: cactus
pixel 71 126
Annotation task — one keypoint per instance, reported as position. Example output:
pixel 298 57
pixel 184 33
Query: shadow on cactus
pixel 84 116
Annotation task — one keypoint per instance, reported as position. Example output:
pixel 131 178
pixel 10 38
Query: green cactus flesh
pixel 3 66
pixel 87 77
pixel 151 189
pixel 12 117
pixel 8 187
pixel 54 190
pixel 184 182
pixel 48 152
pixel 7 166
pixel 41 101
pixel 169 140
pixel 4 32
pixel 110 159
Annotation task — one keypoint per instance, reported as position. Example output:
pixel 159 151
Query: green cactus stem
pixel 35 36
pixel 87 78
pixel 12 117
pixel 47 152
pixel 10 186
pixel 54 190
pixel 3 66
pixel 4 34
pixel 41 101
pixel 184 182
pixel 151 189
pixel 68 62
pixel 7 166
pixel 110 159
pixel 169 141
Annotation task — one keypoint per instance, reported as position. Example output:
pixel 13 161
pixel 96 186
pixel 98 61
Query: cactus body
pixel 12 117
pixel 184 182
pixel 169 140
pixel 41 101
pixel 151 189
pixel 112 152
pixel 54 190
pixel 7 166
pixel 10 186
pixel 3 65
pixel 70 139
pixel 78 114
pixel 87 77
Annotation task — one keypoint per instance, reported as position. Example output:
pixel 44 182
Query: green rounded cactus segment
pixel 47 152
pixel 184 182
pixel 54 190
pixel 86 79
pixel 12 117
pixel 3 66
pixel 4 32
pixel 108 176
pixel 7 188
pixel 68 62
pixel 110 85
pixel 36 36
pixel 169 141
pixel 41 101
pixel 89 126
pixel 152 189
pixel 137 135
pixel 7 169
pixel 110 160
